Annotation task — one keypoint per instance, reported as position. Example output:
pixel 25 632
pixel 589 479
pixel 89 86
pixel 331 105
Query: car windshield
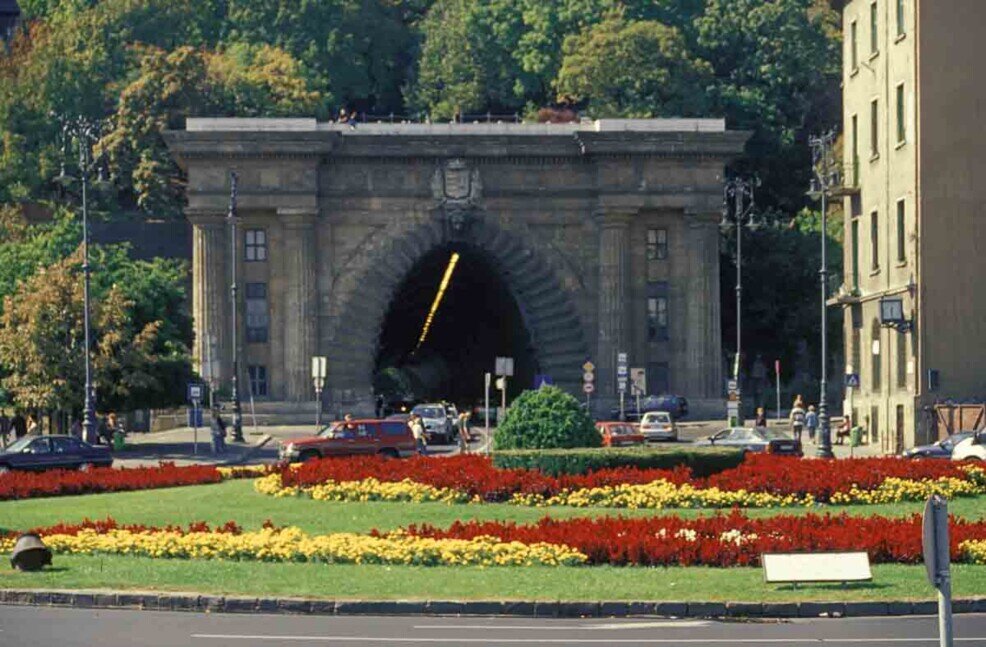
pixel 657 417
pixel 429 412
pixel 337 429
pixel 19 444
pixel 773 434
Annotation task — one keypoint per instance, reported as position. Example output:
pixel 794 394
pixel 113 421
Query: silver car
pixel 769 441
pixel 434 417
pixel 658 425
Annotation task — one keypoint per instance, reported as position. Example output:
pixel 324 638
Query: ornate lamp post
pixel 739 192
pixel 825 176
pixel 234 248
pixel 81 133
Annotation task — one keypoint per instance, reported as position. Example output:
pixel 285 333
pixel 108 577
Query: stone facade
pixel 590 225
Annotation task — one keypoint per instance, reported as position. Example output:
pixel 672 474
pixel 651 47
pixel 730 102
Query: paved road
pixel 43 627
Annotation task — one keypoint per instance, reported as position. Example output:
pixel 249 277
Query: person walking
pixel 464 436
pixel 217 430
pixel 19 425
pixel 811 422
pixel 418 431
pixel 760 422
pixel 33 428
pixel 4 428
pixel 76 428
pixel 798 417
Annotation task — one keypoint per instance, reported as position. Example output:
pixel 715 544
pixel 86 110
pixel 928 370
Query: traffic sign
pixel 505 366
pixel 588 377
pixel 621 358
pixel 194 392
pixel 542 380
pixel 852 380
pixel 588 387
pixel 621 385
pixel 588 367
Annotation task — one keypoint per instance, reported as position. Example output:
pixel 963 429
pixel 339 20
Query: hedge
pixel 703 461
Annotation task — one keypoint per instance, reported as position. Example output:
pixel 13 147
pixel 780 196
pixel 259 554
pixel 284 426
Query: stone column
pixel 210 292
pixel 614 301
pixel 300 302
pixel 703 319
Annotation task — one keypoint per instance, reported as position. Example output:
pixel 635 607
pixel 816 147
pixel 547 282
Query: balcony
pixel 844 296
pixel 850 184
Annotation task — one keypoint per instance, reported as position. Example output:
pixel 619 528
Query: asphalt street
pixel 45 626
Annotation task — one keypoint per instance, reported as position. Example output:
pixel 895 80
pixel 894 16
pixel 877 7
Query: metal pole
pixel 503 399
pixel 89 412
pixel 234 248
pixel 318 407
pixel 622 412
pixel 822 146
pixel 739 283
pixel 777 366
pixel 486 380
pixel 943 572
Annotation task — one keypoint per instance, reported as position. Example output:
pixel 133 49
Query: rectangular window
pixel 257 317
pixel 874 31
pixel 901 233
pixel 657 318
pixel 901 360
pixel 256 244
pixel 874 128
pixel 901 120
pixel 901 21
pixel 657 244
pixel 874 241
pixel 853 47
pixel 874 424
pixel 258 380
pixel 658 378
pixel 855 252
pixel 855 151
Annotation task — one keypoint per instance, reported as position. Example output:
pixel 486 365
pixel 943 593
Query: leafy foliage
pixel 702 461
pixel 546 418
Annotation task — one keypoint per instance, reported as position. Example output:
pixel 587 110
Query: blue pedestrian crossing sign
pixel 852 380
pixel 542 380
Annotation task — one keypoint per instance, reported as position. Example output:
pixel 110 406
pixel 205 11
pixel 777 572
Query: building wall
pixel 952 105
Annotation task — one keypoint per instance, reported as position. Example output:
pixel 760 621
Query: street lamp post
pixel 234 248
pixel 739 192
pixel 825 176
pixel 84 132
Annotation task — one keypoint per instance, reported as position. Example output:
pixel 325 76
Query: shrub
pixel 544 419
pixel 702 461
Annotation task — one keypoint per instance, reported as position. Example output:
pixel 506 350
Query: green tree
pixel 633 69
pixel 543 419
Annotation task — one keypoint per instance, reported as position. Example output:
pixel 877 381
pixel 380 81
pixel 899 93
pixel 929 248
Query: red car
pixel 386 437
pixel 619 434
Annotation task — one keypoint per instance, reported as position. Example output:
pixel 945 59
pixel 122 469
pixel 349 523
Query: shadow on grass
pixel 834 586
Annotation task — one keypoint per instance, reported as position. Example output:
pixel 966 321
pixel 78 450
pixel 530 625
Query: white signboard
pixel 505 366
pixel 816 567
pixel 638 378
pixel 318 367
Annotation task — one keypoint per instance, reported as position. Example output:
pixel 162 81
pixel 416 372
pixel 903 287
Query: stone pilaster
pixel 703 318
pixel 300 302
pixel 210 292
pixel 614 300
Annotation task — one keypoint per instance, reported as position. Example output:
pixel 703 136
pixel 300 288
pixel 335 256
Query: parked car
pixel 386 437
pixel 768 440
pixel 37 453
pixel 972 448
pixel 619 434
pixel 438 425
pixel 658 425
pixel 403 417
pixel 941 449
pixel 676 405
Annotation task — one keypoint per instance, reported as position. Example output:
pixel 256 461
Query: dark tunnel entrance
pixel 477 320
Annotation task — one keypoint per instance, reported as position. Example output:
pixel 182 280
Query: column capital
pixel 205 218
pixel 297 218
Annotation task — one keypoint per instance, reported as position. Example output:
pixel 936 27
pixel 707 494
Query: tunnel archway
pixel 543 326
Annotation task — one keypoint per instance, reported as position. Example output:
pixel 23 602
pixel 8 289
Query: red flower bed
pixel 24 485
pixel 103 526
pixel 469 473
pixel 787 475
pixel 720 540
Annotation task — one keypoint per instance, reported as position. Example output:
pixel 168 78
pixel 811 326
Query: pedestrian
pixel 811 422
pixel 418 431
pixel 4 428
pixel 217 431
pixel 464 436
pixel 76 428
pixel 18 424
pixel 760 422
pixel 379 406
pixel 33 428
pixel 798 417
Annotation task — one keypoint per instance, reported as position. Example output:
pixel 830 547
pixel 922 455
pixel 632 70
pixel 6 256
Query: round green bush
pixel 547 418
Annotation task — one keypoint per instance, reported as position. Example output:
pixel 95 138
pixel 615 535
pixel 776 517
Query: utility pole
pixel 825 176
pixel 234 248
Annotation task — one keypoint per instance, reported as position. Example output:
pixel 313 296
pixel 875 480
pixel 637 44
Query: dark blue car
pixel 676 405
pixel 37 453
pixel 942 449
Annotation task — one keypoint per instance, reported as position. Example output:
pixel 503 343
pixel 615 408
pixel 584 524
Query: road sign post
pixel 504 369
pixel 935 546
pixel 588 382
pixel 622 372
pixel 195 397
pixel 318 380
pixel 487 380
pixel 777 373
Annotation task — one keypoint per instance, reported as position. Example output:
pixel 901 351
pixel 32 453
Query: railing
pixel 422 118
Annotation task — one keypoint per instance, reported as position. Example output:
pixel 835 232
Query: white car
pixel 658 425
pixel 972 448
pixel 438 427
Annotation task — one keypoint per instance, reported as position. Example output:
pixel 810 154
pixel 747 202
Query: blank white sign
pixel 816 567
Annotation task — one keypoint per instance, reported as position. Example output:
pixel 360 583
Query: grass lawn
pixel 236 501
pixel 890 582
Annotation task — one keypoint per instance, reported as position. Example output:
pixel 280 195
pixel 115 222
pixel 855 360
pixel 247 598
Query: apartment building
pixel 915 238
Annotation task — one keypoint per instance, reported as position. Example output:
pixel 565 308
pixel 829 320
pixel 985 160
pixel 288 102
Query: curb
pixel 152 601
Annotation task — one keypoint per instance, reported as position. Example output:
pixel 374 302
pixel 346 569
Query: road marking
pixel 684 624
pixel 592 641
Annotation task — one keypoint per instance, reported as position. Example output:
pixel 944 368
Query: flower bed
pixel 762 481
pixel 25 485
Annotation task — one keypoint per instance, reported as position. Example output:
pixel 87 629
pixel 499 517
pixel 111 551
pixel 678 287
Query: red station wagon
pixel 619 434
pixel 386 437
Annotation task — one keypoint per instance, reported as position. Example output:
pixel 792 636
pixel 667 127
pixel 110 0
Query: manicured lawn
pixel 236 501
pixel 891 582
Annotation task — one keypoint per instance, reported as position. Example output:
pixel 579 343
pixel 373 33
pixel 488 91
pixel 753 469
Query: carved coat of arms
pixel 457 189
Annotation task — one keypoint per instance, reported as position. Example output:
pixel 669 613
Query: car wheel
pixel 4 469
pixel 310 455
pixel 85 467
pixel 389 452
